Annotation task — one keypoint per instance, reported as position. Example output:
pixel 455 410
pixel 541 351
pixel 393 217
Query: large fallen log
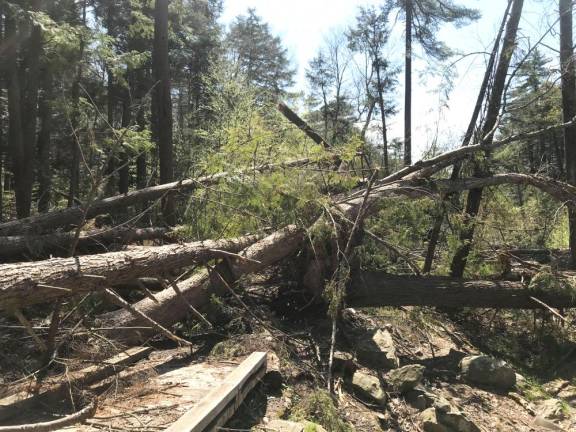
pixel 74 215
pixel 59 243
pixel 24 284
pixel 199 289
pixel 369 289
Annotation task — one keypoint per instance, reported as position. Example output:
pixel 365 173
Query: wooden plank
pixel 221 403
pixel 14 404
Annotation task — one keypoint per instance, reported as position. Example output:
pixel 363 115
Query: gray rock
pixel 446 417
pixel 430 421
pixel 405 378
pixel 541 422
pixel 568 394
pixel 488 371
pixel 552 409
pixel 278 425
pixel 377 349
pixel 416 399
pixel 456 420
pixel 369 387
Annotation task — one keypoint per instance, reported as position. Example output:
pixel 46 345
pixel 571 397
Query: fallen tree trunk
pixel 199 289
pixel 74 215
pixel 422 188
pixel 59 243
pixel 369 289
pixel 24 284
pixel 295 119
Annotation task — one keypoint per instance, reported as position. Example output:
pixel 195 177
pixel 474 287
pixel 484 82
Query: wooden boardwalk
pixel 165 392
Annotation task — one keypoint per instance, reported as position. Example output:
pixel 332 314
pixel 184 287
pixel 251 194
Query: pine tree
pixel 258 56
pixel 423 19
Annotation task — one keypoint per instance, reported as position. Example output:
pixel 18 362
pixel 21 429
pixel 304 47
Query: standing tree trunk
pixel 162 105
pixel 487 136
pixel 2 110
pixel 31 78
pixel 382 117
pixel 124 169
pixel 435 234
pixel 74 190
pixel 568 109
pixel 44 146
pixel 408 88
pixel 15 140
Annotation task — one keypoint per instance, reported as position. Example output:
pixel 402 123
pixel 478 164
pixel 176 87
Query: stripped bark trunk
pixel 370 289
pixel 24 284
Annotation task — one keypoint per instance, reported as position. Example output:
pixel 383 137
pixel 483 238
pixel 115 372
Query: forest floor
pixel 272 317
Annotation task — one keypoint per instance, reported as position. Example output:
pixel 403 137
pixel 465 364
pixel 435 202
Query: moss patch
pixel 320 408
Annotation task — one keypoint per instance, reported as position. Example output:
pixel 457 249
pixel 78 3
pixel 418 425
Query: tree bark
pixel 408 88
pixel 383 121
pixel 199 289
pixel 25 284
pixel 375 289
pixel 44 146
pixel 293 118
pixel 58 244
pixel 568 108
pixel 487 136
pixel 124 169
pixel 74 139
pixel 72 216
pixel 15 139
pixel 162 105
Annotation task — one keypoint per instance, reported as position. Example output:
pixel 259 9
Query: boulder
pixel 406 378
pixel 376 349
pixel 368 386
pixel 488 371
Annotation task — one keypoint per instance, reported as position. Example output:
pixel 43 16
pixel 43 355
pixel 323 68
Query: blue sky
pixel 303 25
